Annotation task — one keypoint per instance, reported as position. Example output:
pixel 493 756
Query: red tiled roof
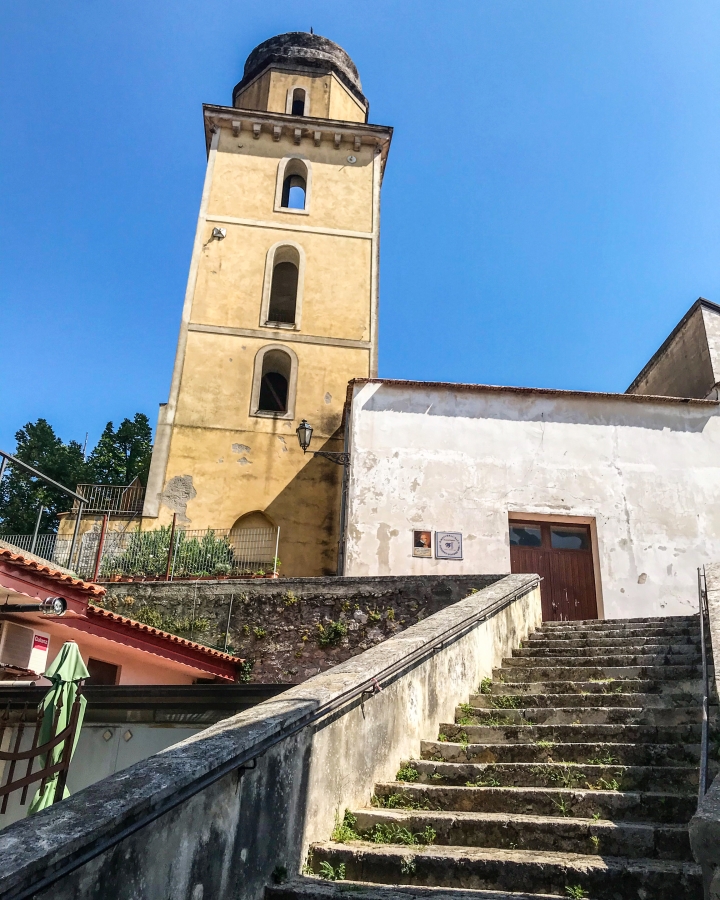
pixel 34 564
pixel 100 612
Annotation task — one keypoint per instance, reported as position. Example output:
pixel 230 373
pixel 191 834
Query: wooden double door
pixel 562 555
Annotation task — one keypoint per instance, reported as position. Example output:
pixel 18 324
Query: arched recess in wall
pixel 253 538
pixel 274 382
pixel 298 102
pixel 293 188
pixel 283 286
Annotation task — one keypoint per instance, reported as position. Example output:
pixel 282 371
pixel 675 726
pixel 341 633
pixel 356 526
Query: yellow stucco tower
pixel 281 305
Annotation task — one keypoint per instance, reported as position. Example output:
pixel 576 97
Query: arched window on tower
pixel 274 382
pixel 284 286
pixel 298 102
pixel 294 185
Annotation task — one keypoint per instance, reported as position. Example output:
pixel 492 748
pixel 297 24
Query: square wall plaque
pixel 448 545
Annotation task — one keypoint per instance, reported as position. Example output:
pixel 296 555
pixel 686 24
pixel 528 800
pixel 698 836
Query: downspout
pixel 344 490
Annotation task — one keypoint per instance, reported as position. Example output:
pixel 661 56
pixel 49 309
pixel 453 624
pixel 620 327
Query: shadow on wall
pixel 308 513
pixel 575 409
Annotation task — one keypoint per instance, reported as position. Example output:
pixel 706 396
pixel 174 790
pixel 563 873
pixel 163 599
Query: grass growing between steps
pixel 346 831
pixel 398 801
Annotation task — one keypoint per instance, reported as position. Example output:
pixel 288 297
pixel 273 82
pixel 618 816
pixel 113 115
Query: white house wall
pixel 647 472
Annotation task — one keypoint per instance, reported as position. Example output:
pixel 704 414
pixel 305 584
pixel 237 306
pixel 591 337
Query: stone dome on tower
pixel 302 52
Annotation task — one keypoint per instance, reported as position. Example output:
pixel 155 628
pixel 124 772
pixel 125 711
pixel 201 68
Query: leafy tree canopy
pixel 122 455
pixel 119 456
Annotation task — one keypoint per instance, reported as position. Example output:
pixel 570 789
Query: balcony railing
pixel 111 498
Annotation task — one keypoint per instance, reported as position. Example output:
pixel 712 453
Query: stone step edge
pixel 575 861
pixel 391 787
pixel 450 815
pixel 310 886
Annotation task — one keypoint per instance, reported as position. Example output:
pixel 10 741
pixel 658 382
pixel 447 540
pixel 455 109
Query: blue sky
pixel 550 209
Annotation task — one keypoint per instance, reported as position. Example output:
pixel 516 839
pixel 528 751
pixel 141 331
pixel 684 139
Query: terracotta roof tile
pixel 101 612
pixel 41 567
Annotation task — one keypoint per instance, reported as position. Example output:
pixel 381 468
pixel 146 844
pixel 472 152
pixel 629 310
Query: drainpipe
pixel 343 494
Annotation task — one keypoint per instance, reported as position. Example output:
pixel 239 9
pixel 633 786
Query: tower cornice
pixel 253 123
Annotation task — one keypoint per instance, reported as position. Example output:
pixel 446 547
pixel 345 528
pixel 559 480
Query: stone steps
pixel 543 672
pixel 675 779
pixel 682 653
pixel 625 660
pixel 605 754
pixel 628 806
pixel 539 640
pixel 532 832
pixel 505 702
pixel 313 888
pixel 573 774
pixel 606 686
pixel 569 734
pixel 587 715
pixel 602 878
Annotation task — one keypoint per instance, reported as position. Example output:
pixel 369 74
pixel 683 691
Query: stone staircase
pixel 573 773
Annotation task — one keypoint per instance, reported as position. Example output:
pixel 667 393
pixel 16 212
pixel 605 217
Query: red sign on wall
pixel 40 642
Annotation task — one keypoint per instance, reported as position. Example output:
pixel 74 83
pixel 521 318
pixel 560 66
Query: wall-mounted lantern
pixel 304 433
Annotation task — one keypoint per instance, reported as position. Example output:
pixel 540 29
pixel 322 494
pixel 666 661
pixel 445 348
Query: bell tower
pixel 281 305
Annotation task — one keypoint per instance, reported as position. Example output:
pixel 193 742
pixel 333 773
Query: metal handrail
pixel 6 458
pixel 239 763
pixel 704 616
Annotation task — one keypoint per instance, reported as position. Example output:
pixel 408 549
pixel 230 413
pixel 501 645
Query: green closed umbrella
pixel 66 671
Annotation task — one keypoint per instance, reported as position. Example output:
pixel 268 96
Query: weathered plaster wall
pixel 688 363
pixel 288 612
pixel 225 842
pixel 462 460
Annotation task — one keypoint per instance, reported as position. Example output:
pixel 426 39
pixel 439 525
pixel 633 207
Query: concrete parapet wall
pixel 276 623
pixel 213 816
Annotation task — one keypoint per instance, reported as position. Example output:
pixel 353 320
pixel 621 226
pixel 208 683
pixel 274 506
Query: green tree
pixel 21 494
pixel 122 454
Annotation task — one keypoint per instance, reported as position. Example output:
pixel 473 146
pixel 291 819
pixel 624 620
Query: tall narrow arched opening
pixel 274 382
pixel 294 185
pixel 294 189
pixel 299 97
pixel 284 287
pixel 281 305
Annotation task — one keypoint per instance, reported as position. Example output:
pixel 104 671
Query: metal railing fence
pixel 112 498
pixel 161 553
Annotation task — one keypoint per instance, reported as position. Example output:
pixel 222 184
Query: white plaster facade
pixel 644 472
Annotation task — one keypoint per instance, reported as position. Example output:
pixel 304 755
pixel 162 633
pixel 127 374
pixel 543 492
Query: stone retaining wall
pixel 290 629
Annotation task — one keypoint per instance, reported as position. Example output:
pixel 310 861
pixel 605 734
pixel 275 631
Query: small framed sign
pixel 448 545
pixel 422 544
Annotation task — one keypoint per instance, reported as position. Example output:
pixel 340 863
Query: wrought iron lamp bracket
pixel 342 459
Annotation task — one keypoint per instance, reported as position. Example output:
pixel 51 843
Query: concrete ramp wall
pixel 211 818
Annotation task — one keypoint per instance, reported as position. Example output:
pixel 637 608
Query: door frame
pixel 559 519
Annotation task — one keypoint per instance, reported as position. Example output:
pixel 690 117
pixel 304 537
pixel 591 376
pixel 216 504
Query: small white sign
pixel 448 545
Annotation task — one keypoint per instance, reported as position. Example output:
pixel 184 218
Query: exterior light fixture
pixel 219 233
pixel 304 433
pixel 53 606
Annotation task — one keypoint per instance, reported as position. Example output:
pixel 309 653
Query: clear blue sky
pixel 550 209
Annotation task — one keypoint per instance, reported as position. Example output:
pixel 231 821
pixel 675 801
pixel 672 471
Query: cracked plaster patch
pixel 240 448
pixel 179 491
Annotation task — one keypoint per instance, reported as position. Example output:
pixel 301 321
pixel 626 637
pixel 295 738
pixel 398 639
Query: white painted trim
pixel 289 100
pixel 375 265
pixel 161 451
pixel 282 226
pixel 282 166
pixel 257 378
pixel 280 334
pixel 267 282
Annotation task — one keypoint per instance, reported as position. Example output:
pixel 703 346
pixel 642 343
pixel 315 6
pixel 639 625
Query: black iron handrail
pixel 243 760
pixel 6 458
pixel 704 618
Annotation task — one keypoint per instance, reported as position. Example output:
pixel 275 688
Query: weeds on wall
pixel 331 634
